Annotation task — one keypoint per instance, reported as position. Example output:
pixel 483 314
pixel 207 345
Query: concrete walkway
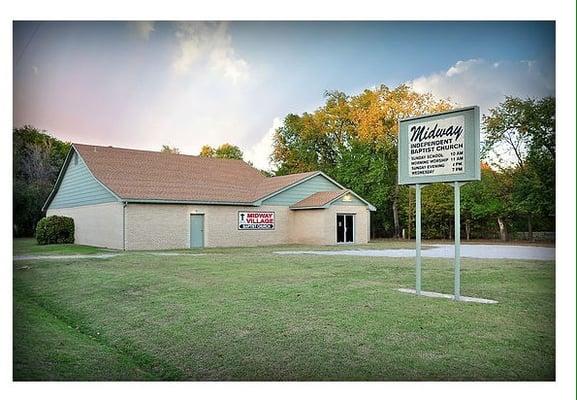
pixel 101 256
pixel 448 251
pixel 466 299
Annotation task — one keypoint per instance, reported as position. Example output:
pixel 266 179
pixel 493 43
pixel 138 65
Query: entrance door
pixel 345 228
pixel 196 230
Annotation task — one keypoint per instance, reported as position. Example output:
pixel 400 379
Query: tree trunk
pixel 468 228
pixel 396 213
pixel 530 227
pixel 502 229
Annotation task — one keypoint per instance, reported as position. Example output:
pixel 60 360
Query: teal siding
pixel 295 194
pixel 354 202
pixel 79 188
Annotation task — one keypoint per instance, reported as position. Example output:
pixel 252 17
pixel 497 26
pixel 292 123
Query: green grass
pixel 29 246
pixel 249 314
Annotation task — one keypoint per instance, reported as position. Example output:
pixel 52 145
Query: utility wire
pixel 27 44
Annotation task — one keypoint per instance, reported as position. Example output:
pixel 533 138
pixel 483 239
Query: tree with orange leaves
pixel 354 139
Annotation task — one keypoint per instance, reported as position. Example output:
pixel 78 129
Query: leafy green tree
pixel 225 150
pixel 228 150
pixel 437 211
pixel 37 160
pixel 525 129
pixel 487 204
pixel 354 139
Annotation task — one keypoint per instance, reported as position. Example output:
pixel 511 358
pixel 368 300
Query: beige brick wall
pixel 320 226
pixel 362 223
pixel 160 226
pixel 309 226
pixel 156 226
pixel 95 225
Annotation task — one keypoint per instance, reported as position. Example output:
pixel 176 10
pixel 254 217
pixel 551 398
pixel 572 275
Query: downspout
pixel 124 204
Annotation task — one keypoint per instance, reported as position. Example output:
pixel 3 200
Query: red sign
pixel 256 220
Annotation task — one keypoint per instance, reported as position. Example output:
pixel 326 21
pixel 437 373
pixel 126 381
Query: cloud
pixel 484 83
pixel 208 43
pixel 259 154
pixel 35 70
pixel 142 29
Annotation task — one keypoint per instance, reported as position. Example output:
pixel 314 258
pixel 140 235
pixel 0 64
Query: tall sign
pixel 443 147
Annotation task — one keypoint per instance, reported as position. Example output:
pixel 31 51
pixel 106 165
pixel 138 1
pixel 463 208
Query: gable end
pixel 76 186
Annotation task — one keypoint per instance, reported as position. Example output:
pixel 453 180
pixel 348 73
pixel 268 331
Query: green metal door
pixel 196 230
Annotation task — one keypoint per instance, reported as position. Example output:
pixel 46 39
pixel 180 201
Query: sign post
pixel 440 148
pixel 457 186
pixel 418 236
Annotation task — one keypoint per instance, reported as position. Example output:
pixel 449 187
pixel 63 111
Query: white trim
pixel 92 175
pixel 58 179
pixel 329 203
pixel 73 150
pixel 345 214
pixel 324 205
pixel 259 201
pixel 371 207
pixel 455 110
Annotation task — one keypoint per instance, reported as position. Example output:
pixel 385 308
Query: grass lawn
pixel 29 246
pixel 249 314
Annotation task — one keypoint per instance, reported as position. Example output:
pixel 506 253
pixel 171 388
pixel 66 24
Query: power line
pixel 27 44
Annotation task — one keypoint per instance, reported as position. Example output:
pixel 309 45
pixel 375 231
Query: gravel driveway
pixel 447 251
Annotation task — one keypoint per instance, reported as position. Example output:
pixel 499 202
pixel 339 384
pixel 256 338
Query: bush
pixel 55 230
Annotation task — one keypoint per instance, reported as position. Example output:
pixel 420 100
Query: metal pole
pixel 457 187
pixel 418 237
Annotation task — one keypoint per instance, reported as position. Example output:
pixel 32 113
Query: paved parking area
pixel 448 251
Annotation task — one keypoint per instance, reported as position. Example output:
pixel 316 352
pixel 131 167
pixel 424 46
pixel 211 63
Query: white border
pixel 561 10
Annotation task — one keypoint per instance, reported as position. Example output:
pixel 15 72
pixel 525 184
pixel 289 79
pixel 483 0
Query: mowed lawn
pixel 250 314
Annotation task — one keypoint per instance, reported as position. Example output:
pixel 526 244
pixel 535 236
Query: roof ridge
pixel 296 173
pixel 317 200
pixel 160 152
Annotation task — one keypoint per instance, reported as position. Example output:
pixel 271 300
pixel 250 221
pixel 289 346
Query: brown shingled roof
pixel 318 199
pixel 147 175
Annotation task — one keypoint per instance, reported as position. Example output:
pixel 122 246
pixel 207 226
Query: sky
pixel 185 84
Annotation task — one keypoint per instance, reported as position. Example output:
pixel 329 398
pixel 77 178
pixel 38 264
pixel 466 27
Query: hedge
pixel 55 229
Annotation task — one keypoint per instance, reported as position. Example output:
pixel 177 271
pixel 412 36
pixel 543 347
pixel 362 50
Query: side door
pixel 196 231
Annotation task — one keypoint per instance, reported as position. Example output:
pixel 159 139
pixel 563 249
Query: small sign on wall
pixel 256 220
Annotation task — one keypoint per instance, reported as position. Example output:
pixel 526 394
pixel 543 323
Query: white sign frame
pixel 443 147
pixel 261 226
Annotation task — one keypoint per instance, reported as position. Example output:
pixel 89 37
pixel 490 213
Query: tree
pixel 225 150
pixel 169 150
pixel 38 158
pixel 525 129
pixel 206 151
pixel 487 203
pixel 438 211
pixel 354 139
pixel 228 150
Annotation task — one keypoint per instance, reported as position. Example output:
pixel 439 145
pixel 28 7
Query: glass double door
pixel 345 228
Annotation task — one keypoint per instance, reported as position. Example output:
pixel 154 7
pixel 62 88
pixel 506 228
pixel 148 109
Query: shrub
pixel 55 229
